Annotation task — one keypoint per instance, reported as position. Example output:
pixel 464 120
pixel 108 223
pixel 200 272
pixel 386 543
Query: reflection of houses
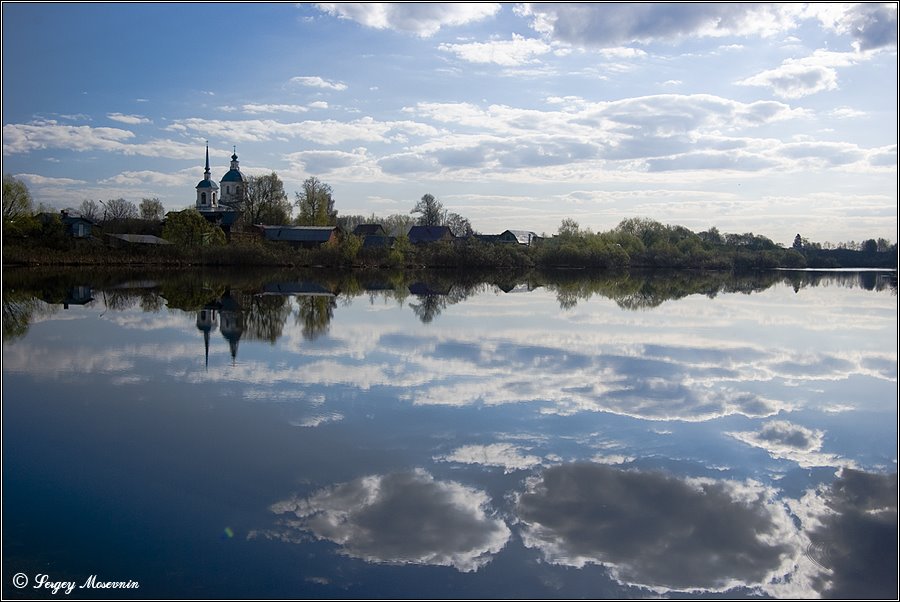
pixel 310 289
pixel 420 235
pixel 229 315
pixel 305 237
pixel 421 289
pixel 75 295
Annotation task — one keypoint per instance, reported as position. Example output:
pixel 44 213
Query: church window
pixel 202 198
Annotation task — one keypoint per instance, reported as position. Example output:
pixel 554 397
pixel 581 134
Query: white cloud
pixel 421 19
pixel 315 81
pixel 796 78
pixel 38 180
pixel 182 179
pixel 508 53
pixel 19 138
pixel 604 24
pixel 273 108
pixel 129 119
pixel 871 25
pixel 328 132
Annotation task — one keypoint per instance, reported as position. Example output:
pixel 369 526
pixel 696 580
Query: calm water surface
pixel 278 435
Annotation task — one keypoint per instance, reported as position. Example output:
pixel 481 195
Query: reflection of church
pixel 227 314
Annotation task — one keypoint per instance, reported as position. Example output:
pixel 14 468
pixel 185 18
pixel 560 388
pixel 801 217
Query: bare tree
pixel 265 201
pixel 119 209
pixel 90 210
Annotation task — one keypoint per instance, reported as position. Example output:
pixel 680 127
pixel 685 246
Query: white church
pixel 222 209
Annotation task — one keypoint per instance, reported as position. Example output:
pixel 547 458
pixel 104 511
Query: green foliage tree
pixel 431 211
pixel 568 228
pixel 17 201
pixel 188 228
pixel 798 243
pixel 151 209
pixel 869 246
pixel 315 203
pixel 265 201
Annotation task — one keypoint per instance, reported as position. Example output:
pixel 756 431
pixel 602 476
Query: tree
pixel 17 200
pixel 459 225
pixel 90 210
pixel 798 243
pixel 568 227
pixel 190 229
pixel 315 203
pixel 265 201
pixel 431 211
pixel 869 246
pixel 120 209
pixel 152 209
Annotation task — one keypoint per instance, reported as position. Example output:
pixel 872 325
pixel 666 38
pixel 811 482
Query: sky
pixel 775 119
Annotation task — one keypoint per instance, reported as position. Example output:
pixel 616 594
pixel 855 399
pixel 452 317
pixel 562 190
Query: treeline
pixel 634 243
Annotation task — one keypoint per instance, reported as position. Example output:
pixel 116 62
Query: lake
pixel 389 435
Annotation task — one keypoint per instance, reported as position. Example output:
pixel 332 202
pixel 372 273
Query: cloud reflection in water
pixel 399 518
pixel 656 530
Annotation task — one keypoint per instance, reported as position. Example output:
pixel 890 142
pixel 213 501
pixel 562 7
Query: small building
pixel 364 230
pixel 419 235
pixel 376 241
pixel 121 241
pixel 521 237
pixel 76 224
pixel 305 237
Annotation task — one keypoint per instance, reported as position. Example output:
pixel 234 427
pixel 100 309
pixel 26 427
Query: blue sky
pixel 772 119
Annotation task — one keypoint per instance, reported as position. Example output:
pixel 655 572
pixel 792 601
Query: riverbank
pixel 578 252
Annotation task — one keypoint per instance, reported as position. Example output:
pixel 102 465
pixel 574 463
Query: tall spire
pixel 206 173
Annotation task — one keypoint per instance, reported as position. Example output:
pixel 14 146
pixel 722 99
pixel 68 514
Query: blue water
pixel 216 437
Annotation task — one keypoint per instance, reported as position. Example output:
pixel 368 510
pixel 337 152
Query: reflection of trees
pixel 314 315
pixel 266 316
pixel 429 307
pixel 19 310
pixel 638 290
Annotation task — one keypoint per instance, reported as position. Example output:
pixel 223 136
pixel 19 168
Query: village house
pixel 305 237
pixel 419 235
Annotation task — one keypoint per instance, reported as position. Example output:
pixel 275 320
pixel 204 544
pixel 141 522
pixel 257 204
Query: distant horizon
pixel 772 119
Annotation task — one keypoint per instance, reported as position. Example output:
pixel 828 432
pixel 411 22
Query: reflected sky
pixel 434 438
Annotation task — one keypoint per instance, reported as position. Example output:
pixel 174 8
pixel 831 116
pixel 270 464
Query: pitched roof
pixel 429 233
pixel 368 229
pixel 298 233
